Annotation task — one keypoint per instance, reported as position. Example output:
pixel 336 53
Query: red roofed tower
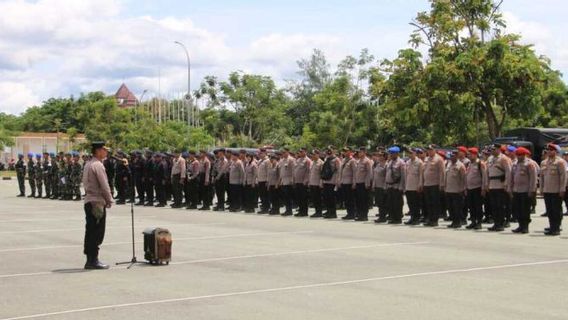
pixel 124 97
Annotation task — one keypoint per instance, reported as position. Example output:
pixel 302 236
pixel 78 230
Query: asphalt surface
pixel 245 266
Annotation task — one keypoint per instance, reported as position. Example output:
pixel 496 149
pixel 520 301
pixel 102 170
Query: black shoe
pixel 507 225
pixel 471 226
pixel 316 215
pixel 78 198
pixel 381 220
pixel 31 196
pixel 348 217
pixel 191 207
pixel 204 208
pixel 140 203
pixel 552 233
pixel 488 220
pixel 362 219
pixel 287 214
pixel 330 216
pixel 300 215
pixel 478 227
pixel 21 195
pixel 548 229
pixel 219 209
pixel 521 230
pixel 544 215
pixel 149 204
pixel 97 265
pixel 274 213
pixel 447 219
pixel 262 212
pixel 395 222
pixel 121 202
pixel 454 226
pixel 175 206
pixel 496 228
pixel 160 205
pixel 412 222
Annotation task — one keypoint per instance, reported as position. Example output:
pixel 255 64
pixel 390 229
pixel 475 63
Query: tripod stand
pixel 132 261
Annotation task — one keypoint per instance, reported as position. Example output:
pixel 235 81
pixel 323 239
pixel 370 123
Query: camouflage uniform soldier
pixel 21 173
pixel 31 175
pixel 61 175
pixel 39 176
pixel 47 175
pixel 67 186
pixel 75 177
pixel 54 176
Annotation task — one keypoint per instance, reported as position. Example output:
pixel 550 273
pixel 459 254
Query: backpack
pixel 327 169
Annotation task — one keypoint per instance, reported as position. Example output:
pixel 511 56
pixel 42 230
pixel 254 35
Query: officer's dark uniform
pixel 138 172
pixel 110 168
pixel 149 179
pixel 160 173
pixel 21 174
pixel 122 175
pixel 47 179
pixel 54 175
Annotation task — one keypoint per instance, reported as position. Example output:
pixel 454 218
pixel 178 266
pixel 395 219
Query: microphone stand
pixel 132 261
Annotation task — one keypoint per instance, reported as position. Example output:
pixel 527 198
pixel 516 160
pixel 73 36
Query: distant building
pixel 125 98
pixel 39 142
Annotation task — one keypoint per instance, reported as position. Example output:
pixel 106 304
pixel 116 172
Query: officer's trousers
pixel 381 202
pixel 455 206
pixel 347 193
pixel 22 183
pixel 432 201
pixel 329 199
pixel 236 196
pixel 315 197
pixel 287 193
pixel 498 203
pixel 302 198
pixel 553 204
pixel 413 201
pixel 94 231
pixel 523 205
pixel 362 201
pixel 395 202
pixel 220 190
pixel 264 196
pixel 475 203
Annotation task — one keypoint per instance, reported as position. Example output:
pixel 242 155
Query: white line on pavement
pixel 175 239
pixel 291 288
pixel 243 257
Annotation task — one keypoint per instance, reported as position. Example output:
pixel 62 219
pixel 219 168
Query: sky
pixel 59 48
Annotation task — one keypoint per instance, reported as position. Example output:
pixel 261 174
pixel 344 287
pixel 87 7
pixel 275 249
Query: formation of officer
pixel 496 185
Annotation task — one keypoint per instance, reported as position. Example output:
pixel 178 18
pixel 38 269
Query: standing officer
pixel 205 180
pixel 76 173
pixel 553 187
pixel 499 170
pixel 434 179
pixel 97 199
pixel 380 186
pixel 455 189
pixel 362 182
pixel 54 174
pixel 286 172
pixel 221 168
pixel 122 173
pixel 522 187
pixel 262 178
pixel 139 177
pixel 476 179
pixel 348 166
pixel 47 175
pixel 178 178
pixel 301 181
pixel 273 185
pixel 330 175
pixel 110 168
pixel 21 174
pixel 236 181
pixel 149 178
pixel 395 181
pixel 31 175
pixel 251 173
pixel 315 183
pixel 159 178
pixel 38 174
pixel 414 184
pixel 192 183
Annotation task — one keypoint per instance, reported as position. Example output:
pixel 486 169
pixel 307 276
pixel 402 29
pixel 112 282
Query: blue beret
pixel 394 149
pixel 417 150
pixel 30 155
pixel 52 154
pixel 185 154
pixel 20 155
pixel 511 148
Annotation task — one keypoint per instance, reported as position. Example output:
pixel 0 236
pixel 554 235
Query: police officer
pixel 159 177
pixel 236 181
pixel 273 185
pixel 499 170
pixel 138 167
pixel 31 175
pixel 348 167
pixel 21 174
pixel 97 199
pixel 262 179
pixel 330 175
pixel 192 183
pixel 553 187
pixel 149 178
pixel 522 187
pixel 250 183
pixel 362 182
pixel 178 178
pixel 315 183
pixel 122 178
pixel 455 190
pixel 302 167
pixel 221 179
pixel 47 179
pixel 38 175
pixel 380 186
pixel 476 179
pixel 434 179
pixel 286 172
pixel 76 174
pixel 205 180
pixel 395 181
pixel 414 185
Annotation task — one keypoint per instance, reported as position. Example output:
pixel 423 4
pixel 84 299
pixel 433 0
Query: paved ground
pixel 242 266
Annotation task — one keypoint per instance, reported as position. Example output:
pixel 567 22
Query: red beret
pixel 503 148
pixel 522 152
pixel 473 150
pixel 442 153
pixel 553 147
pixel 462 149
